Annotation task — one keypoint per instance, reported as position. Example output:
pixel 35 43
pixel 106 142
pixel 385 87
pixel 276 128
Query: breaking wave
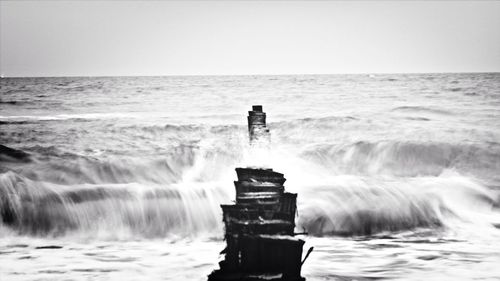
pixel 358 189
pixel 120 210
pixel 405 158
pixel 360 206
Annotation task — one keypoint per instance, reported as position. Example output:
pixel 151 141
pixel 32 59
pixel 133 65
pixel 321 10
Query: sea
pixel 121 178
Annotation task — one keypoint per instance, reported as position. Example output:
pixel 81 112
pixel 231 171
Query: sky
pixel 116 38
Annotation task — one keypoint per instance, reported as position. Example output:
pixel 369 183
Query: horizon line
pixel 281 74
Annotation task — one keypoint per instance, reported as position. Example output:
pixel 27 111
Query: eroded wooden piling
pixel 257 127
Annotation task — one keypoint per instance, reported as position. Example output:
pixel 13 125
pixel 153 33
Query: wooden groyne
pixel 259 227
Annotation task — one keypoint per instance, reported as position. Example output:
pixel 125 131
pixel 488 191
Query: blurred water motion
pixel 397 175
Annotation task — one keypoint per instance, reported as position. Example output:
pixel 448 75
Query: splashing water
pixel 393 172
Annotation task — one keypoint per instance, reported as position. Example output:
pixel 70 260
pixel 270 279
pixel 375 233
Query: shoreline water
pixel 396 174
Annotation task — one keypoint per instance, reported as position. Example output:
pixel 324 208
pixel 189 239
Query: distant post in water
pixel 257 128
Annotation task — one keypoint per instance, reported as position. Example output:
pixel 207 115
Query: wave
pixel 15 102
pixel 313 121
pixel 13 155
pixel 49 164
pixel 201 129
pixel 61 193
pixel 361 206
pixel 202 161
pixel 421 109
pixel 15 122
pixel 166 165
pixel 360 188
pixel 64 117
pixel 43 209
pixel 405 158
pixel 345 205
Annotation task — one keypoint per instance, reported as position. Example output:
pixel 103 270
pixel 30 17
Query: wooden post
pixel 259 227
pixel 257 128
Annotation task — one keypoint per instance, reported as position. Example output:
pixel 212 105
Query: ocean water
pixel 121 178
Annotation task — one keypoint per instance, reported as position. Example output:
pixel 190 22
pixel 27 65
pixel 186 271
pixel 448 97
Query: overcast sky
pixel 94 38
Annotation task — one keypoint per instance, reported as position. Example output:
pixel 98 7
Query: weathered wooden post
pixel 257 128
pixel 259 227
